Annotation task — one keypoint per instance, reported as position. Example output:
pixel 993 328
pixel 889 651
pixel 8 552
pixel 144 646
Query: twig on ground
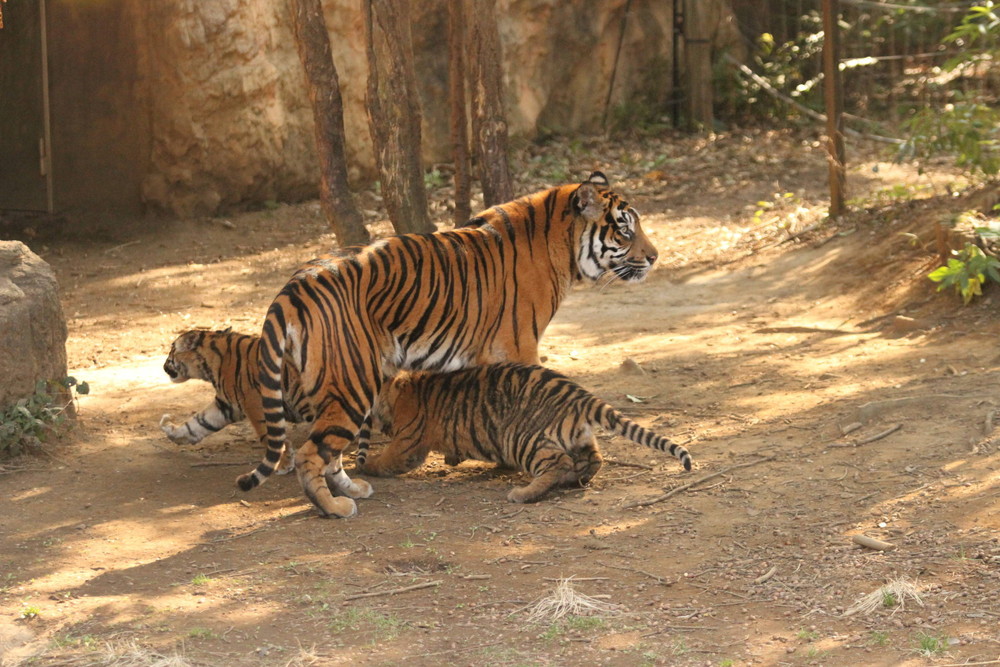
pixel 213 464
pixel 394 591
pixel 626 464
pixel 872 438
pixel 658 578
pixel 767 575
pixel 685 487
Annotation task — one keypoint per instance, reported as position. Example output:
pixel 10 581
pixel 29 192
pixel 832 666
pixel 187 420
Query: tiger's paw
pixel 338 507
pixel 521 495
pixel 176 434
pixel 286 463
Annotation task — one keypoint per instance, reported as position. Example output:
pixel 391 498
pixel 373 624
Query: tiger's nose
pixel 651 258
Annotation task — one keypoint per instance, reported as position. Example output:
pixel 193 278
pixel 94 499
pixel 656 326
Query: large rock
pixel 33 344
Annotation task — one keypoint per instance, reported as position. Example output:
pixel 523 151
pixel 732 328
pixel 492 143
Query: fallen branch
pixel 872 543
pixel 394 591
pixel 685 487
pixel 872 438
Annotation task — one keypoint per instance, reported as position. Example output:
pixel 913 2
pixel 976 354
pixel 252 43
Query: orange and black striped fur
pixel 525 417
pixel 230 363
pixel 470 296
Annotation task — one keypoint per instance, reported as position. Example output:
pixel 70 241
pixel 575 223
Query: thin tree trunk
pixel 489 122
pixel 459 117
pixel 394 115
pixel 313 43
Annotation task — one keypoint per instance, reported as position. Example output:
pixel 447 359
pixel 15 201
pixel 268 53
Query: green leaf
pixel 83 388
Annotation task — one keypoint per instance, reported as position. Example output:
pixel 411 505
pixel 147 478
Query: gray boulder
pixel 32 326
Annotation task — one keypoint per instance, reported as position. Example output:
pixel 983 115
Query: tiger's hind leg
pixel 550 466
pixel 402 454
pixel 587 461
pixel 318 464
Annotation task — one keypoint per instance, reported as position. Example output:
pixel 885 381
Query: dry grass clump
pixel 893 595
pixel 567 601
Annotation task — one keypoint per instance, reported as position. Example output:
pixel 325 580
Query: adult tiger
pixel 470 296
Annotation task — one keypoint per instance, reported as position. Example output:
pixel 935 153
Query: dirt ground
pixel 119 547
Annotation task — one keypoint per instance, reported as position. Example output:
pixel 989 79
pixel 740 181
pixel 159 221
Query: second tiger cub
pixel 527 417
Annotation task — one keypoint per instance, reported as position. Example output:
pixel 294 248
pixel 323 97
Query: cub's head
pixel 197 354
pixel 612 240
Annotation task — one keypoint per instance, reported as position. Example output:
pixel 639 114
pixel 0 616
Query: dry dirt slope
pixel 119 540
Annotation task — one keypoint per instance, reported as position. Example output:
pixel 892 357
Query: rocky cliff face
pixel 230 120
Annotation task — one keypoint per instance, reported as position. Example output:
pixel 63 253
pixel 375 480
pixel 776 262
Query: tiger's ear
pixel 588 203
pixel 187 341
pixel 599 179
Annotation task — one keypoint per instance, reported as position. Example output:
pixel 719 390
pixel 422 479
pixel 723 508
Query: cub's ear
pixel 599 179
pixel 588 203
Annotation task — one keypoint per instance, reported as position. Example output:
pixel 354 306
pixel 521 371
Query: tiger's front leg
pixel 210 420
pixel 319 468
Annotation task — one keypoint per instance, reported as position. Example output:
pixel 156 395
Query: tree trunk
pixel 313 43
pixel 489 123
pixel 394 115
pixel 459 117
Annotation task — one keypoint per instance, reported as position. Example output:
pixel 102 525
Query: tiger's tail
pixel 271 358
pixel 616 422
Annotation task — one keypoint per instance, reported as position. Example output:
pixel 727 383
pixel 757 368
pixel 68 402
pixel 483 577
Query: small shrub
pixel 25 423
pixel 966 272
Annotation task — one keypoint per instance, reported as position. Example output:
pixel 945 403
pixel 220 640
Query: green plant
pixel 878 638
pixel 29 612
pixel 25 423
pixel 380 627
pixel 435 179
pixel 966 272
pixel 979 28
pixel 889 600
pixel 807 635
pixel 728 662
pixel 200 580
pixel 968 130
pixel 201 633
pixel 931 645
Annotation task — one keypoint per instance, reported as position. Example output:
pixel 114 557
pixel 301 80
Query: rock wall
pixel 229 115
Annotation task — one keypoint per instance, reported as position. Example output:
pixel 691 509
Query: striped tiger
pixel 470 296
pixel 525 417
pixel 228 361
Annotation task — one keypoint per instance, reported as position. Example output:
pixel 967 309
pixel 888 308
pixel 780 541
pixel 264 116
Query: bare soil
pixel 758 352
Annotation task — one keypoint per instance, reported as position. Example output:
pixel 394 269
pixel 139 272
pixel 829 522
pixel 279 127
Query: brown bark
pixel 394 115
pixel 313 43
pixel 459 117
pixel 489 122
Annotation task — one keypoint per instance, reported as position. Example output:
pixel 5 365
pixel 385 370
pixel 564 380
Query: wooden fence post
pixel 833 96
pixel 698 63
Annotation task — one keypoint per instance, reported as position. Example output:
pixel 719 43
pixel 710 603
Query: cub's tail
pixel 616 422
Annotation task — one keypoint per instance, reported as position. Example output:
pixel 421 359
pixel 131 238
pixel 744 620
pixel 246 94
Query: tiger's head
pixel 613 240
pixel 194 354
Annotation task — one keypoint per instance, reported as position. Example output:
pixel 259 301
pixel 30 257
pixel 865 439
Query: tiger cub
pixel 228 360
pixel 526 417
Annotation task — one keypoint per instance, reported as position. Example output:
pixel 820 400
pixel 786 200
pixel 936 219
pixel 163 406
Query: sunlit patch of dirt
pixel 771 344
